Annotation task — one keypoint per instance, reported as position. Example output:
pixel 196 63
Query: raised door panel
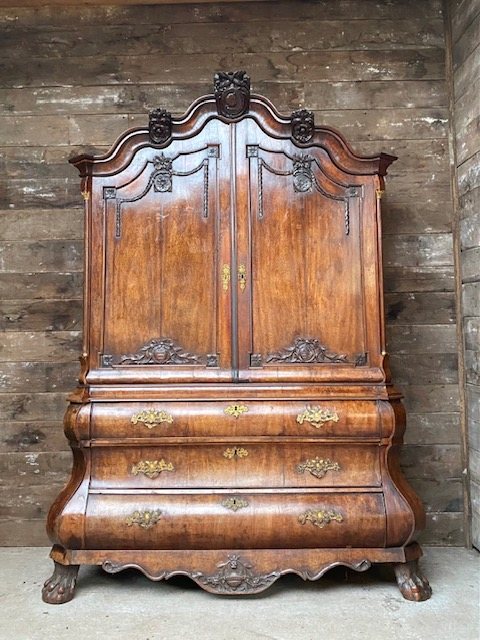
pixel 167 311
pixel 302 307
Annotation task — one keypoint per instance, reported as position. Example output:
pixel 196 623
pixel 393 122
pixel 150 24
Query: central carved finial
pixel 232 93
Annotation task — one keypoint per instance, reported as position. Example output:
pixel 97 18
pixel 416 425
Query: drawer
pixel 352 418
pixel 236 464
pixel 205 521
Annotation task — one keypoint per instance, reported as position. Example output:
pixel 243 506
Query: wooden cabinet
pixel 235 418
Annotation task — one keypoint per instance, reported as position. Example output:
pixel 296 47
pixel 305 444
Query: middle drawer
pixel 236 465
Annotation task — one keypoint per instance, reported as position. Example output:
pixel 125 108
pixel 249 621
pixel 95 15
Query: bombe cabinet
pixel 235 418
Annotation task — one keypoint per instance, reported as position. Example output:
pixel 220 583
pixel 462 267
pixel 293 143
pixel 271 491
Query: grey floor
pixel 343 605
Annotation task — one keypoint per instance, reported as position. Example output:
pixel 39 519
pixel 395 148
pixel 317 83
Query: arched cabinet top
pixel 230 103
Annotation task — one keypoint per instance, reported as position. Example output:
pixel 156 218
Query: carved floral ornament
pixel 232 93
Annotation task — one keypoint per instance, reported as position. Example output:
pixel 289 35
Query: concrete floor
pixel 343 605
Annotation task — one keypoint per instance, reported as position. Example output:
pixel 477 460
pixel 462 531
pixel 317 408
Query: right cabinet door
pixel 307 261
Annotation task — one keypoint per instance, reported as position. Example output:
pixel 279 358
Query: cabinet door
pixel 301 297
pixel 167 259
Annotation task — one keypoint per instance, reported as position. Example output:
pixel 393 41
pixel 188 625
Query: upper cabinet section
pixel 233 244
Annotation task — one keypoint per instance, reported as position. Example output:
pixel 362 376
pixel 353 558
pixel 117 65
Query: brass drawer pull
pixel 234 504
pixel 152 468
pixel 144 519
pixel 235 452
pixel 320 518
pixel 318 467
pixel 317 416
pixel 151 417
pixel 235 410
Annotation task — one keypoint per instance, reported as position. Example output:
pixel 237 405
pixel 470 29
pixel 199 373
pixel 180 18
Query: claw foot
pixel 412 583
pixel 60 587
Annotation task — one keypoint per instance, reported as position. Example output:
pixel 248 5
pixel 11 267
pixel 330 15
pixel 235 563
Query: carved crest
pixel 160 126
pixel 232 93
pixel 303 125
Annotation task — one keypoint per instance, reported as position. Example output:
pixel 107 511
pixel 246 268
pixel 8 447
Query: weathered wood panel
pixel 41 315
pixel 374 70
pixel 465 53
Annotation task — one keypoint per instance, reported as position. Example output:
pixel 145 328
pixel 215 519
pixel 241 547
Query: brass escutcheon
pixel 234 504
pixel 317 416
pixel 151 417
pixel 144 519
pixel 242 276
pixel 319 518
pixel 152 468
pixel 235 452
pixel 235 410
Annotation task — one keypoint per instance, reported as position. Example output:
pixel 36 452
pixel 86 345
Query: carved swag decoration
pixel 232 93
pixel 161 181
pixel 160 351
pixel 311 351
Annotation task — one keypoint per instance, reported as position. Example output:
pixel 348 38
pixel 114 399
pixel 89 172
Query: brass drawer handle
pixel 235 452
pixel 317 416
pixel 234 504
pixel 235 410
pixel 151 417
pixel 320 518
pixel 152 468
pixel 318 467
pixel 144 519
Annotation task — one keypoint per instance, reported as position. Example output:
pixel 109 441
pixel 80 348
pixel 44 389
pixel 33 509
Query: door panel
pixel 301 240
pixel 166 234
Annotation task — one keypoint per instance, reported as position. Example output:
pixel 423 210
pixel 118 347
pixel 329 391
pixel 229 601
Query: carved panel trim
pixel 159 351
pixel 159 126
pixel 232 93
pixel 311 351
pixel 306 351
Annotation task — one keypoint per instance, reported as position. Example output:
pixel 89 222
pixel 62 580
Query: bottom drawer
pixel 235 520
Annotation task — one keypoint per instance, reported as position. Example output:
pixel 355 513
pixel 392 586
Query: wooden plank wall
pixel 465 37
pixel 76 77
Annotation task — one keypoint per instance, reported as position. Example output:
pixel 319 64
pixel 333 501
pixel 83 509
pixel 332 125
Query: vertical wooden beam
pixel 467 517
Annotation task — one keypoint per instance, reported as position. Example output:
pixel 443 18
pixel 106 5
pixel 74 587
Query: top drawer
pixel 353 418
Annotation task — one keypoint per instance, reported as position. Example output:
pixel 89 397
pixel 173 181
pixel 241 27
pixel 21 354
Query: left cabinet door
pixel 166 251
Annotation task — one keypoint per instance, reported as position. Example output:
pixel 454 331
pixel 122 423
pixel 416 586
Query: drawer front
pixel 170 419
pixel 236 464
pixel 201 521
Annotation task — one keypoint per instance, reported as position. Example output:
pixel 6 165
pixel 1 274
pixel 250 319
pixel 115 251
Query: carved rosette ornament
pixel 160 126
pixel 303 125
pixel 302 173
pixel 232 93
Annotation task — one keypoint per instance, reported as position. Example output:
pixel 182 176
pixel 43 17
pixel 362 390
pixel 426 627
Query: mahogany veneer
pixel 235 418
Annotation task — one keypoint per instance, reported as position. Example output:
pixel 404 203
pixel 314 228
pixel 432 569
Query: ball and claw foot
pixel 412 583
pixel 60 587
